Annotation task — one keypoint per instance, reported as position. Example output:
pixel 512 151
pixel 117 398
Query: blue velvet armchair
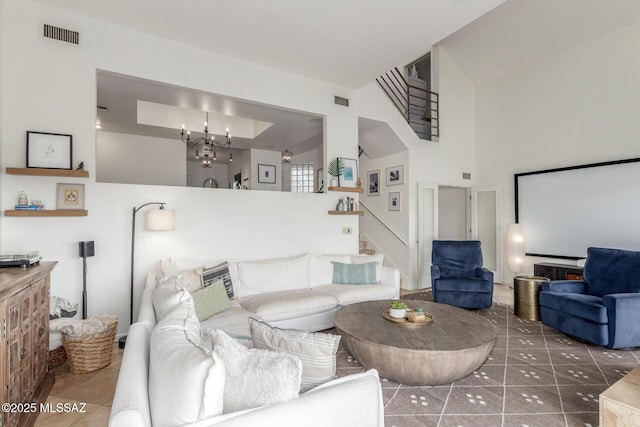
pixel 605 308
pixel 457 275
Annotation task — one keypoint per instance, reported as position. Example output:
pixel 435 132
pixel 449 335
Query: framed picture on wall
pixel 48 150
pixel 267 174
pixel 395 175
pixel 394 201
pixel 373 183
pixel 349 177
pixel 70 197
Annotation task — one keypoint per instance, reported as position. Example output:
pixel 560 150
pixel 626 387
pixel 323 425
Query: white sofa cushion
pixel 321 268
pixel 186 382
pixel 289 304
pixel 257 277
pixel 234 321
pixel 351 294
pixel 316 350
pixel 255 377
pixel 166 298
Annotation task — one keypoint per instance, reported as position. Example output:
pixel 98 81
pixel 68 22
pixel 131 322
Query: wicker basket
pixel 57 357
pixel 90 353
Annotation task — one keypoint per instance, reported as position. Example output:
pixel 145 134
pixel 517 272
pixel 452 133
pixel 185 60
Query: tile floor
pixel 95 389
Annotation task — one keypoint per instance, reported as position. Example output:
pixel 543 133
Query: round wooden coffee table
pixel 447 349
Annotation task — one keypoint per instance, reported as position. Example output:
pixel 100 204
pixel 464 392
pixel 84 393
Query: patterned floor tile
pixel 470 421
pixel 486 375
pixel 417 400
pixel 578 374
pixel 526 341
pixel 570 356
pixel 475 400
pixel 531 420
pixel 583 419
pixel 497 357
pixel 519 356
pixel 532 400
pixel 555 340
pixel 411 420
pixel 613 373
pixel 529 375
pixel 581 398
pixel 612 357
pixel 524 328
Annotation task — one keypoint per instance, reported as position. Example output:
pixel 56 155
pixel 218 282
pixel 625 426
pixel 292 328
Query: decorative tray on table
pixel 409 320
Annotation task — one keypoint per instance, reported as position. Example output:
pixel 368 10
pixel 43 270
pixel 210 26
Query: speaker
pixel 86 249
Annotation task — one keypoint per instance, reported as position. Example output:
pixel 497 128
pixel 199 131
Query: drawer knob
pixel 23 353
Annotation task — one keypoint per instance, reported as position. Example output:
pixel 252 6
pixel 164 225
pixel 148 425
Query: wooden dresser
pixel 24 341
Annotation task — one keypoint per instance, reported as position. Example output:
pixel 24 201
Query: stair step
pixel 367 252
pixel 363 244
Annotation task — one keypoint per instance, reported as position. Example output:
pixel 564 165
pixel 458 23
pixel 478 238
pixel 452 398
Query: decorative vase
pixel 398 313
pixel 333 181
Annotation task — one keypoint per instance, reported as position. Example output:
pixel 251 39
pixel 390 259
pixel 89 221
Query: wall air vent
pixel 466 175
pixel 103 108
pixel 61 34
pixel 341 101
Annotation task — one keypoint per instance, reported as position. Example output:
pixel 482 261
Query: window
pixel 302 178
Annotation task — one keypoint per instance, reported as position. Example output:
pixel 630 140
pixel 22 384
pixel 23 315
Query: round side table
pixel 525 296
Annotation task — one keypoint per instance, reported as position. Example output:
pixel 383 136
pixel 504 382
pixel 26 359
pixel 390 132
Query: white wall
pixel 147 160
pixel 50 86
pixel 579 106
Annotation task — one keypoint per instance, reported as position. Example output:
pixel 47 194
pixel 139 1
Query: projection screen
pixel 564 211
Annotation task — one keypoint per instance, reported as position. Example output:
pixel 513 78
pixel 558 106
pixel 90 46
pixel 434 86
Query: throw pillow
pixel 166 298
pixel 255 377
pixel 354 274
pixel 220 271
pixel 316 350
pixel 210 300
pixel 377 258
pixel 186 381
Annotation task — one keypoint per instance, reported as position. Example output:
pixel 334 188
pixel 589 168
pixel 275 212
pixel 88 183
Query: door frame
pixel 474 190
pixel 420 227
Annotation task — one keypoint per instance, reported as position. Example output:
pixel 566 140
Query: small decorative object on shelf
pixel 340 206
pixel 80 166
pixel 23 200
pixel 335 169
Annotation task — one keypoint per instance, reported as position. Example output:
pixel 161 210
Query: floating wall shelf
pixel 47 172
pixel 359 213
pixel 46 212
pixel 346 189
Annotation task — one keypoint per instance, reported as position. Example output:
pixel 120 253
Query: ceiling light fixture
pixel 206 155
pixel 286 157
pixel 207 140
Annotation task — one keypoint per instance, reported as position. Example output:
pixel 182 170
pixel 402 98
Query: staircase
pixel 364 250
pixel 418 106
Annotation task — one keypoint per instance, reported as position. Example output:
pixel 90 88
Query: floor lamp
pixel 515 247
pixel 160 219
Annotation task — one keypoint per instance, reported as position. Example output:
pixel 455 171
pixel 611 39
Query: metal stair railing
pixel 408 98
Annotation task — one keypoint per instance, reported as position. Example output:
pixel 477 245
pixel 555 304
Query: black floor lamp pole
pixel 85 249
pixel 135 210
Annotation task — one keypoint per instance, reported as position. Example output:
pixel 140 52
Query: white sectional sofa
pixel 293 293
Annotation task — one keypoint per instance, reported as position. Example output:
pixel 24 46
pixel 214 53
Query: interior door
pixel 427 230
pixel 486 224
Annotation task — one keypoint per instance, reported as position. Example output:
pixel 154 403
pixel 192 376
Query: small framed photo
pixel 394 201
pixel 373 187
pixel 70 197
pixel 48 150
pixel 267 174
pixel 349 177
pixel 395 175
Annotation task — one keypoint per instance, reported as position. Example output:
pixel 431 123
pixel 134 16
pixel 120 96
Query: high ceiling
pixel 520 33
pixel 347 42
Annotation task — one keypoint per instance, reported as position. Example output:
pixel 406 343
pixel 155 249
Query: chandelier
pixel 207 155
pixel 286 156
pixel 207 140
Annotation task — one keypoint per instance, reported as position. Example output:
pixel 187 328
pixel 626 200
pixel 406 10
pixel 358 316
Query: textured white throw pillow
pixel 186 381
pixel 316 350
pixel 255 377
pixel 166 298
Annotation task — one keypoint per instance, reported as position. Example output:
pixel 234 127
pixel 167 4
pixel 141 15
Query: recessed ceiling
pixel 279 129
pixel 345 42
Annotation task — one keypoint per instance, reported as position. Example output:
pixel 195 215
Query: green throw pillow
pixel 211 300
pixel 354 274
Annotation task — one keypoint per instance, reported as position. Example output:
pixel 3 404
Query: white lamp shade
pixel 161 219
pixel 515 247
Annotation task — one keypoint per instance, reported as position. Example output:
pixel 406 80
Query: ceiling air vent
pixel 61 34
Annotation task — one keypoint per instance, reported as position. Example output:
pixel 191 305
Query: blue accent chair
pixel 605 308
pixel 457 275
